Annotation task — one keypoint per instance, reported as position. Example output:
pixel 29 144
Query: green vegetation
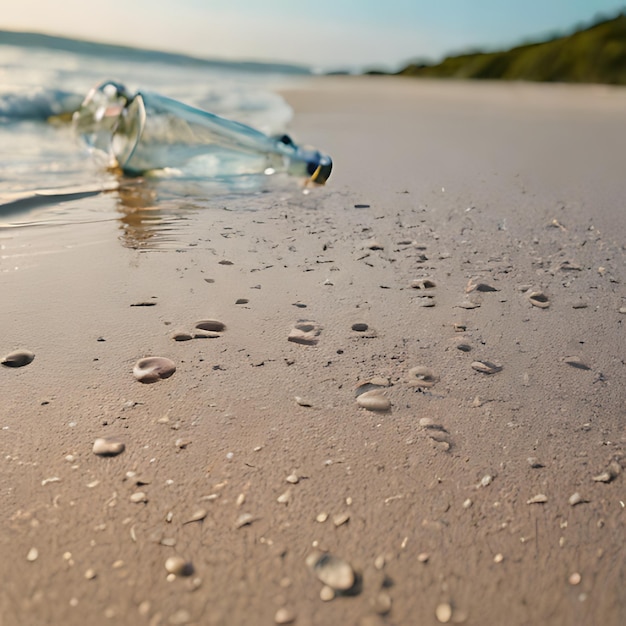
pixel 593 55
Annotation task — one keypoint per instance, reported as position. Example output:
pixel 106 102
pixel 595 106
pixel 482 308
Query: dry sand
pixel 451 506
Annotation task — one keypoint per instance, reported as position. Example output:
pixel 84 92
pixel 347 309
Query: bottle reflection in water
pixel 153 132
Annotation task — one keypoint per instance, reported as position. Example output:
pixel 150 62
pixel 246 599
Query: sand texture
pixel 395 400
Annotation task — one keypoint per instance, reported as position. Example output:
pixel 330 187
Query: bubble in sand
pixel 153 368
pixel 108 446
pixel 373 401
pixel 17 358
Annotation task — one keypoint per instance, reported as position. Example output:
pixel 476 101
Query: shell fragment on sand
pixel 153 368
pixel 539 299
pixel 486 367
pixel 305 333
pixel 374 401
pixel 17 358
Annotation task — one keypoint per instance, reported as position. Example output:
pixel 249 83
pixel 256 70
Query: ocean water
pixel 46 172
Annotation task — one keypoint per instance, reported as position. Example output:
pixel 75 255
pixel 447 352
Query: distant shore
pixel 592 55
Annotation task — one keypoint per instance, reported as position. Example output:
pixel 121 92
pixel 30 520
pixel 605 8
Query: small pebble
pixel 467 503
pixel 139 497
pixel 284 498
pixel 332 571
pixel 486 480
pixel 108 446
pixel 379 562
pixel 322 517
pixel 293 479
pixel 284 615
pixel 575 499
pixel 382 603
pixel 374 401
pixel 469 304
pixel 196 516
pixel 245 519
pixel 423 557
pixel 17 358
pixel 575 578
pixel 612 472
pixel 443 613
pixel 180 617
pixel 327 593
pixel 178 566
pixel 498 558
pixel 540 498
pixel 90 574
pixel 360 327
pixel 32 555
pixel 340 519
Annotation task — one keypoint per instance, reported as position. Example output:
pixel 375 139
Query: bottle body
pixel 153 132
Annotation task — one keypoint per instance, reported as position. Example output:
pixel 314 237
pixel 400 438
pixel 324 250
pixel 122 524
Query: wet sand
pixel 418 370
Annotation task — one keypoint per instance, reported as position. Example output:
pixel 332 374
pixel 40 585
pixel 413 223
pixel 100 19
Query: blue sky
pixel 321 33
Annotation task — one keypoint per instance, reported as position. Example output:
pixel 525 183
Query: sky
pixel 324 34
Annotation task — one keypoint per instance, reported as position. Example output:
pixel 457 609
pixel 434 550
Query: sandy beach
pixel 411 411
